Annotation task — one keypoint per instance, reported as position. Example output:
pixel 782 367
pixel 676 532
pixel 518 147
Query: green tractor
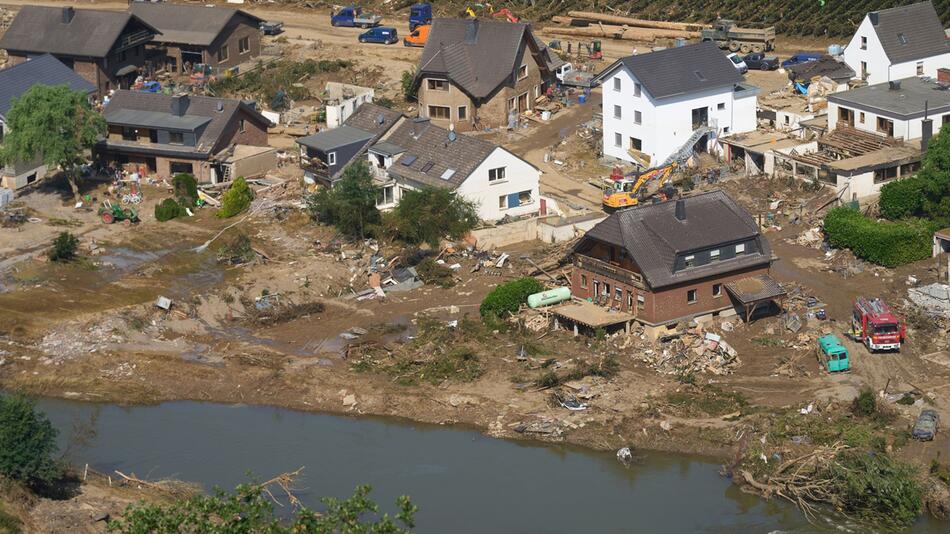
pixel 110 213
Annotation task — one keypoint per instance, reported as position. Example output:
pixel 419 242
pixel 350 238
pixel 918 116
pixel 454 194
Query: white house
pixel 892 109
pixel 417 153
pixel 897 43
pixel 14 83
pixel 657 104
pixel 342 99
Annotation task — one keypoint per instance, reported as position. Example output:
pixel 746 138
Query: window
pixel 178 167
pixel 524 198
pixel 902 38
pixel 512 104
pixel 717 290
pixel 223 53
pixel 618 112
pixel 522 72
pixel 864 43
pixel 618 139
pixel 740 249
pixel 920 68
pixel 176 138
pixel 503 202
pixel 636 144
pixel 244 45
pixel 690 260
pixel 861 118
pixel 725 129
pixel 606 289
pixel 437 85
pixel 864 70
pixel 463 113
pixel 885 175
pixel 714 255
pixel 691 296
pixel 944 120
pixel 584 281
pixel 637 117
pixel 616 83
pixel 386 196
pixel 496 175
pixel 721 106
pixel 885 126
pixel 440 112
pixel 637 89
pixel 537 91
pixel 129 134
pixel 241 126
pixel 640 302
pixel 618 294
pixel 331 158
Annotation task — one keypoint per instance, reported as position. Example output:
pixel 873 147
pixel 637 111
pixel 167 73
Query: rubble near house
pixel 691 353
pixel 933 299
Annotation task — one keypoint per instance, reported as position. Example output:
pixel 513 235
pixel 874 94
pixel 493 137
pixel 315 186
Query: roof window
pixel 902 38
pixel 409 160
pixel 448 174
pixel 699 75
pixel 428 166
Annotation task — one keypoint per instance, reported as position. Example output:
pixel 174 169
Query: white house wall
pixel 667 123
pixel 519 176
pixel 338 113
pixel 905 129
pixel 879 67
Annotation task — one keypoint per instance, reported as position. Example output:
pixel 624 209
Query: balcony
pixel 610 270
pixel 131 40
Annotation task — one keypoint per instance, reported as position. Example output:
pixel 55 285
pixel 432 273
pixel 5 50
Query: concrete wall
pixel 506 234
pixel 338 113
pixel 256 165
pixel 519 176
pixel 558 230
pixel 879 67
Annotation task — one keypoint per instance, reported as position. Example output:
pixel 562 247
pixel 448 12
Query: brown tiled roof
pixel 89 33
pixel 653 237
pixel 429 147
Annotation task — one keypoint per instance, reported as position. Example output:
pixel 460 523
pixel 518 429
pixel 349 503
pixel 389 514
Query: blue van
pixel 382 35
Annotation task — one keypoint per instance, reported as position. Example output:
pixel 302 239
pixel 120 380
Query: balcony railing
pixel 607 269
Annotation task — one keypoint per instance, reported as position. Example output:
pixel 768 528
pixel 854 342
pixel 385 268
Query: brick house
pixel 674 261
pixel 474 74
pixel 181 133
pixel 216 36
pixel 107 48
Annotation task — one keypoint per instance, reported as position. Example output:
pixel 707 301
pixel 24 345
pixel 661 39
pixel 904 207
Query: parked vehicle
pixel 759 61
pixel 832 355
pixel 418 36
pixel 925 429
pixel 272 28
pixel 381 35
pixel 420 15
pixel 738 63
pixel 561 71
pixel 801 57
pixel 874 324
pixel 110 213
pixel 351 16
pixel 727 35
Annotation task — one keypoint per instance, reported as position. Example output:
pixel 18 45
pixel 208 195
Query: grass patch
pixel 8 523
pixel 706 401
pixel 459 364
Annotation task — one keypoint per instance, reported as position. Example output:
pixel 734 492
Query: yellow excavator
pixel 626 191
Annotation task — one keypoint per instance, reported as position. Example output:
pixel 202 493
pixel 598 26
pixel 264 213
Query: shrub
pixel 873 486
pixel 168 209
pixel 902 198
pixel 186 188
pixel 432 273
pixel 27 442
pixel 408 92
pixel 64 247
pixel 236 199
pixel 506 298
pixel 884 243
pixel 864 404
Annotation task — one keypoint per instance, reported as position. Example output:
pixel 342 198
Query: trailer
pixel 727 35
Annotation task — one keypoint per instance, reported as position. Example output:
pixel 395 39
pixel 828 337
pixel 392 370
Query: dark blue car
pixel 384 35
pixel 802 57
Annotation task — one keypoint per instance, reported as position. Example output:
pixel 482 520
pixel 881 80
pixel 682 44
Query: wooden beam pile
pixel 590 24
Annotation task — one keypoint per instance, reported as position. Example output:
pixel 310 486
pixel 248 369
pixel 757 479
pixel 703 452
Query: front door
pixel 523 103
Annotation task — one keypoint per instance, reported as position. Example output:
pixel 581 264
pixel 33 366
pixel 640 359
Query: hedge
pixel 885 243
pixel 506 298
pixel 902 198
pixel 168 209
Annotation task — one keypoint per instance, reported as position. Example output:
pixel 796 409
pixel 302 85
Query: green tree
pixel 350 205
pixel 408 85
pixel 27 442
pixel 429 214
pixel 508 297
pixel 53 122
pixel 249 509
pixel 64 247
pixel 236 199
pixel 926 195
pixel 186 188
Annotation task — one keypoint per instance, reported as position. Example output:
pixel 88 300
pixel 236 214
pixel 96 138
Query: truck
pixel 874 324
pixel 354 17
pixel 420 15
pixel 727 35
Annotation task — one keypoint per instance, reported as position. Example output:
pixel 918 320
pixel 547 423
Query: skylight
pixel 902 38
pixel 428 166
pixel 699 75
pixel 448 174
pixel 409 160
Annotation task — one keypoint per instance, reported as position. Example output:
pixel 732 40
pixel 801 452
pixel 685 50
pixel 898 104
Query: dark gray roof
pixel 373 118
pixel 680 70
pixel 89 33
pixel 477 55
pixel 42 70
pixel 388 149
pixel 910 32
pixel 184 24
pixel 125 105
pixel 905 103
pixel 337 137
pixel 429 147
pixel 157 119
pixel 653 236
pixel 824 66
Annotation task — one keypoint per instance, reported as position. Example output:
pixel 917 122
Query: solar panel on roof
pixel 409 160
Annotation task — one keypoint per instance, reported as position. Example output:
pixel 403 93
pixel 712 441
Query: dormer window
pixel 690 260
pixel 714 255
pixel 740 249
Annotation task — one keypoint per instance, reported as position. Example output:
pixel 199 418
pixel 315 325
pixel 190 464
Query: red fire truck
pixel 874 324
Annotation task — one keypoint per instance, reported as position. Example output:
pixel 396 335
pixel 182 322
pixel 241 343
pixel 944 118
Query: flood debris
pixel 933 299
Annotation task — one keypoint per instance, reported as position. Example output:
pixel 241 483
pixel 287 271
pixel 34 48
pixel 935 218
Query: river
pixel 462 481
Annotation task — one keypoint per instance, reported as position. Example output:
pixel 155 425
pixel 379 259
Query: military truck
pixel 727 35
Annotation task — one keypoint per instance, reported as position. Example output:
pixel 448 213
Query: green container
pixel 547 298
pixel 832 354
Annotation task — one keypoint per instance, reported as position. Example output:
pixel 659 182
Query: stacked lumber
pixel 590 24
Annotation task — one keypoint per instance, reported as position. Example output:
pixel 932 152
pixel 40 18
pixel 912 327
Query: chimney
pixel 873 17
pixel 68 13
pixel 894 85
pixel 680 209
pixel 179 104
pixel 926 132
pixel 471 32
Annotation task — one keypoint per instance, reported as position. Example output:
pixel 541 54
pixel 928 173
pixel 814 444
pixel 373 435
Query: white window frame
pixel 695 295
pixel 637 117
pixel 714 255
pixel 637 89
pixel 618 111
pixel 503 202
pixel 618 139
pixel 331 158
pixel 499 175
pixel 617 83
pixel 523 71
pixel 717 291
pixel 740 249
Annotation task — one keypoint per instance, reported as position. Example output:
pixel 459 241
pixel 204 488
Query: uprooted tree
pixel 56 124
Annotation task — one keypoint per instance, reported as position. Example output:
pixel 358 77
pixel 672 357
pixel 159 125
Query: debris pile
pixel 933 299
pixel 688 354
